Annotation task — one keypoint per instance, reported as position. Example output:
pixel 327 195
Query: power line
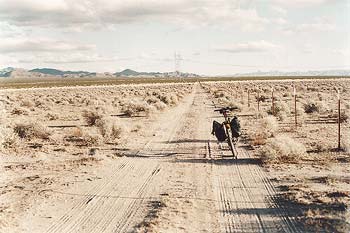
pixel 178 59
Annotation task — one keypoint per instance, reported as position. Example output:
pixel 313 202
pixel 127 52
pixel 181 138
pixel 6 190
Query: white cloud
pixel 46 50
pixel 248 47
pixel 312 27
pixel 50 58
pixel 341 52
pixel 318 24
pixel 23 45
pixel 279 10
pixel 82 13
pixel 8 30
pixel 301 3
pixel 279 21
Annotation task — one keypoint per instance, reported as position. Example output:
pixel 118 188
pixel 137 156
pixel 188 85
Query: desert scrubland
pixel 140 158
pixel 301 156
pixel 49 135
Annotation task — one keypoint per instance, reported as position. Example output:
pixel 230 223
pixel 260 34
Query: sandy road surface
pixel 177 180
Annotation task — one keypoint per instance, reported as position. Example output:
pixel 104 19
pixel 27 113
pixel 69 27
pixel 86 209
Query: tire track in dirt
pixel 246 197
pixel 260 176
pixel 102 209
pixel 206 191
pixel 188 201
pixel 243 201
pixel 81 203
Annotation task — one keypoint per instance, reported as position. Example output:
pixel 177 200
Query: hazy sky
pixel 213 37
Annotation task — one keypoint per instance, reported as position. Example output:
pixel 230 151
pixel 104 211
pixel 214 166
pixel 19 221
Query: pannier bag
pixel 235 127
pixel 219 131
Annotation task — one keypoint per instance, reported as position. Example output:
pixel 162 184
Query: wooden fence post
pixel 248 99
pixel 339 146
pixel 273 102
pixel 259 100
pixel 295 106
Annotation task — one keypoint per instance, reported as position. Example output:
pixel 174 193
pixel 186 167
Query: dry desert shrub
pixel 260 114
pixel 347 106
pixel 281 149
pixel 286 94
pixel 8 138
pixel 160 105
pixel 109 129
pixel 91 117
pixel 266 127
pixel 219 93
pixel 315 107
pixel 281 110
pixel 31 130
pixel 83 137
pixel 52 116
pixel 154 101
pixel 270 125
pixel 169 99
pixel 19 111
pixel 234 104
pixel 135 108
pixel 89 139
pixel 345 141
pixel 344 116
pixel 261 98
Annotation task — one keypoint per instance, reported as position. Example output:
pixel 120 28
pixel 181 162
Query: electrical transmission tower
pixel 177 62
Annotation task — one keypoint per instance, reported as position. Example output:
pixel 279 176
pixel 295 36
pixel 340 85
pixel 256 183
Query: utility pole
pixel 177 61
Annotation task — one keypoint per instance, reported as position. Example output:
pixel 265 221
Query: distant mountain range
pixel 11 72
pixel 6 72
pixel 129 72
pixel 49 72
pixel 55 72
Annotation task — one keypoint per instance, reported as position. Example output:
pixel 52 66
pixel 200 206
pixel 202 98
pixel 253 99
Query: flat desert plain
pixel 141 158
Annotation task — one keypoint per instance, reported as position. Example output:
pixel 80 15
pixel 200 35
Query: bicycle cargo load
pixel 235 127
pixel 219 131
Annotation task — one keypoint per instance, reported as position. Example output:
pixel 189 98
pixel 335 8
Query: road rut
pixel 177 181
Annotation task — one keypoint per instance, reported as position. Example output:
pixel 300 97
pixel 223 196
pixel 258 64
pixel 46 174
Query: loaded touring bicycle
pixel 229 130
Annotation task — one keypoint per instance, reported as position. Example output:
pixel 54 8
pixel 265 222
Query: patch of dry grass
pixel 82 137
pixel 31 130
pixel 266 127
pixel 91 117
pixel 136 108
pixel 8 138
pixel 281 149
pixel 109 129
pixel 319 211
pixel 281 110
pixel 315 107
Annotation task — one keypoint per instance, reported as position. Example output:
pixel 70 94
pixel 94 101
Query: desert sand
pixel 140 158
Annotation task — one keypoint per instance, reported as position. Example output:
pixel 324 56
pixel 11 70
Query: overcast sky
pixel 212 36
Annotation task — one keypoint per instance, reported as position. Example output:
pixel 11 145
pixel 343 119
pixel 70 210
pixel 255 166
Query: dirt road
pixel 175 180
